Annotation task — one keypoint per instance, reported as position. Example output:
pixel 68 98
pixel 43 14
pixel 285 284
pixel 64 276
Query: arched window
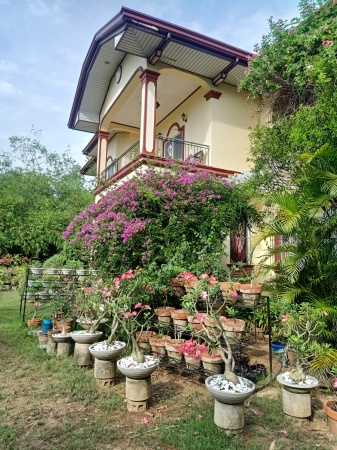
pixel 174 146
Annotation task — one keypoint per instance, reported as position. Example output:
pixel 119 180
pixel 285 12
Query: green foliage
pixel 177 218
pixel 39 193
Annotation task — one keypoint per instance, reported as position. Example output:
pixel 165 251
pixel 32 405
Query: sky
pixel 43 44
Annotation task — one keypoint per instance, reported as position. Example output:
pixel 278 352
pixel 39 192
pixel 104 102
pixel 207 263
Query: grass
pixel 46 402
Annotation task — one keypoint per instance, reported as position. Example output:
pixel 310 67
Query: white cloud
pixel 55 10
pixel 9 90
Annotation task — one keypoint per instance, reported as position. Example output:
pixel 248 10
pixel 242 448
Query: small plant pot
pixel 179 317
pixel 34 322
pixel 195 323
pixel 172 347
pixel 331 416
pixel 212 363
pixel 251 294
pixel 234 328
pixel 158 346
pixel 178 286
pixel 143 339
pixel 164 315
pixel 192 363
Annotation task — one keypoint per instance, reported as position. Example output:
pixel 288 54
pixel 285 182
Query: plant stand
pixel 138 393
pixel 51 345
pixel 297 398
pixel 82 356
pixel 229 417
pixel 105 372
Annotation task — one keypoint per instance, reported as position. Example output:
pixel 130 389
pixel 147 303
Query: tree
pixel 293 76
pixel 40 191
pixel 178 215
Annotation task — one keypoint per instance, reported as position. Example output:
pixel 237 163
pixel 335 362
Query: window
pixel 173 147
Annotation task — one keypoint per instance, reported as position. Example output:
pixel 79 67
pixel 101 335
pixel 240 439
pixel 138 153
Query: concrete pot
pixel 230 398
pixel 332 417
pixel 100 350
pixel 297 397
pixel 137 373
pixel 83 337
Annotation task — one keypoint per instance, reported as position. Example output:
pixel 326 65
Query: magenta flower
pixel 234 294
pixel 325 313
pixel 128 315
pixel 204 294
pixel 146 307
pixel 201 318
pixel 204 276
pixel 334 382
pixel 138 305
pixel 144 421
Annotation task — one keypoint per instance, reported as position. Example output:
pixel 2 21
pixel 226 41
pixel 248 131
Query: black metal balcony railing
pixel 165 147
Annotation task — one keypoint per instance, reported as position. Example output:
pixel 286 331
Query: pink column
pixel 148 112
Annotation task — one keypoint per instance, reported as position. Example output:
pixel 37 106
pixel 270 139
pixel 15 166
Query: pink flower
pixel 284 432
pixel 37 304
pixel 128 314
pixel 117 282
pixel 134 313
pixel 204 294
pixel 128 274
pixel 199 417
pixel 284 318
pixel 234 294
pixel 204 276
pixel 213 278
pixel 106 293
pixel 146 307
pixel 334 382
pixel 325 313
pixel 144 421
pixel 138 305
pixel 148 287
pixel 201 318
pixel 165 289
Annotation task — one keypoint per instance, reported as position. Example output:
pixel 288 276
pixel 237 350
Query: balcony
pixel 167 148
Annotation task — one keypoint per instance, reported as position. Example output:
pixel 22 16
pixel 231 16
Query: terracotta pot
pixel 332 417
pixel 190 284
pixel 251 294
pixel 212 363
pixel 196 325
pixel 164 315
pixel 34 322
pixel 227 286
pixel 43 338
pixel 143 338
pixel 158 346
pixel 172 347
pixel 192 363
pixel 234 328
pixel 178 286
pixel 179 314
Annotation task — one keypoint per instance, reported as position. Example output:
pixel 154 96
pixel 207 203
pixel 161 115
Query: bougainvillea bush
pixel 178 215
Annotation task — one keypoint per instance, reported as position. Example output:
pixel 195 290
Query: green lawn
pixel 47 403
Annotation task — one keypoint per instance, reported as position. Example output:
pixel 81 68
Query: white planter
pixel 101 351
pixel 59 337
pixel 296 397
pixel 131 369
pixel 232 395
pixel 37 270
pixel 83 337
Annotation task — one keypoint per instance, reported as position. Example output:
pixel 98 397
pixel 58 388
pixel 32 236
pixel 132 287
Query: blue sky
pixel 43 44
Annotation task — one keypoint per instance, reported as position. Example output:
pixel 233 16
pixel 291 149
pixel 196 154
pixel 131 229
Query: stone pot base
pixel 105 371
pixel 63 349
pixel 102 384
pixel 230 418
pixel 82 356
pixel 138 393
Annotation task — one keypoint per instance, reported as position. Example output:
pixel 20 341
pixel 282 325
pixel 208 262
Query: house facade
pixel 150 90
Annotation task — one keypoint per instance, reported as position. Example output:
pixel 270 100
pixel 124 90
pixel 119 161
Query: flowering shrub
pixel 156 217
pixel 193 349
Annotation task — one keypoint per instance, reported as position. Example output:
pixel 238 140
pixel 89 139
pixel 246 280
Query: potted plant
pixel 229 390
pixel 34 322
pixel 193 350
pixel 331 406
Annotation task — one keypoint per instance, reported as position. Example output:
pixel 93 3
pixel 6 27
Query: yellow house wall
pixel 129 65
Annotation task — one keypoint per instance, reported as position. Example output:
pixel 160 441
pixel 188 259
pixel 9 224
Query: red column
pixel 148 112
pixel 102 151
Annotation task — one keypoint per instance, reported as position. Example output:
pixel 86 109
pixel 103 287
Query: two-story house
pixel 150 90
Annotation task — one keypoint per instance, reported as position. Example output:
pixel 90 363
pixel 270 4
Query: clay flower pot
pixel 172 347
pixel 332 417
pixel 195 323
pixel 164 315
pixel 158 346
pixel 234 328
pixel 227 291
pixel 212 363
pixel 178 286
pixel 251 294
pixel 143 338
pixel 34 322
pixel 192 363
pixel 179 317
